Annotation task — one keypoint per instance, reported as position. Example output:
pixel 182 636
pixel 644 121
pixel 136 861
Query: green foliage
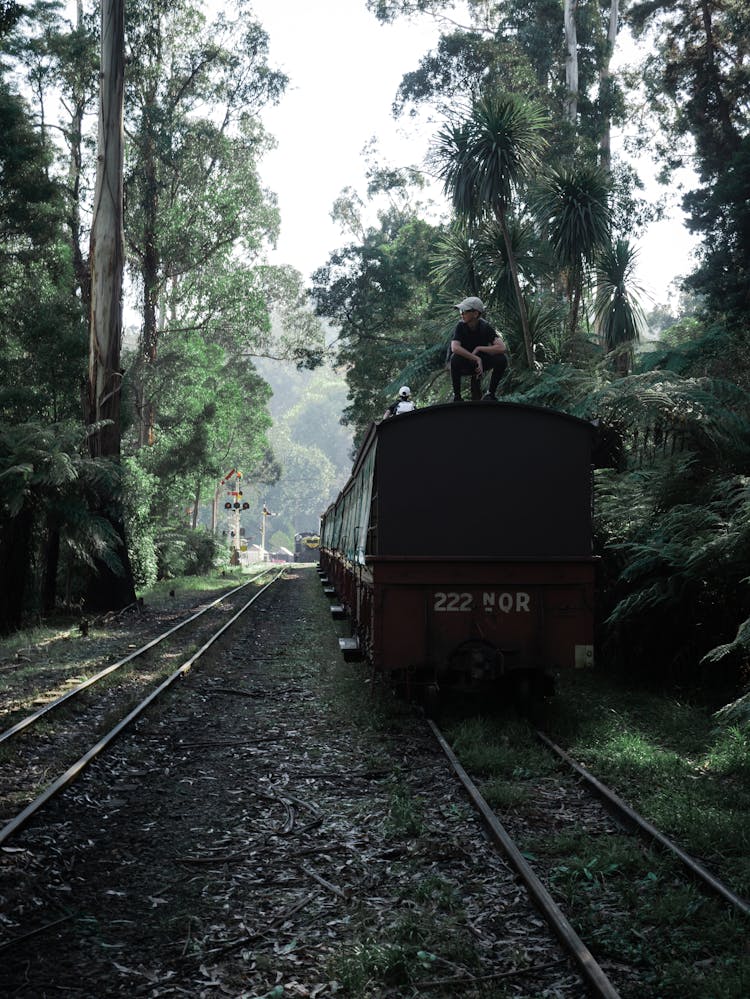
pixel 697 85
pixel 462 63
pixel 308 440
pixel 474 261
pixel 213 416
pixel 140 491
pixel 27 194
pixel 518 43
pixel 674 530
pixel 671 518
pixel 573 207
pixel 42 339
pixel 381 295
pixel 619 313
pixel 198 225
pixel 181 551
pixel 404 814
pixel 10 13
pixel 42 343
pixel 52 511
pixel 723 214
pixel 486 152
pixel 694 72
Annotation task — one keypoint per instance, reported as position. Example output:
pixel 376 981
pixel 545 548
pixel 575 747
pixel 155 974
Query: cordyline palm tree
pixel 483 158
pixel 573 208
pixel 455 263
pixel 620 317
pixel 494 260
pixel 474 261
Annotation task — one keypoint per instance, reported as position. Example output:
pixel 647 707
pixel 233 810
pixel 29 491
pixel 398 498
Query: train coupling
pixel 477 662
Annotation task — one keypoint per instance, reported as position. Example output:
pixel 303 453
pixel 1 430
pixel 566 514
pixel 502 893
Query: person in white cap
pixel 402 405
pixel 476 347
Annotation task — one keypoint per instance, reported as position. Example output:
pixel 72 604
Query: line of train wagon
pixel 461 548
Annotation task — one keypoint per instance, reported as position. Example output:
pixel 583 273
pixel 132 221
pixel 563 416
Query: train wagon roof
pixel 503 479
pixel 482 415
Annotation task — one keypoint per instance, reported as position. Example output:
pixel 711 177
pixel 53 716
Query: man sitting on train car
pixel 402 405
pixel 476 348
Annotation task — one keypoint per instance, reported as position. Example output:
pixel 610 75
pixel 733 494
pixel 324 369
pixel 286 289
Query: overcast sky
pixel 344 71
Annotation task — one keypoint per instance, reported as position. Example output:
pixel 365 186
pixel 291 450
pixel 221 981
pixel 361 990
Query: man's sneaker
pixel 489 397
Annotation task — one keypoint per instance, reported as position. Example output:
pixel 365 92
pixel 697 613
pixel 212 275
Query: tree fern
pixel 49 488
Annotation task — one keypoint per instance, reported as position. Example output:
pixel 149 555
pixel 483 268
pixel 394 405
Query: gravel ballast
pixel 269 831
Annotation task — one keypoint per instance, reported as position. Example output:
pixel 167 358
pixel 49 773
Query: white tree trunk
pixel 106 248
pixel 571 59
pixel 605 144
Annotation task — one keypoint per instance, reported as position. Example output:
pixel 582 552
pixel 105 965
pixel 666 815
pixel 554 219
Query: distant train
pixel 306 547
pixel 461 548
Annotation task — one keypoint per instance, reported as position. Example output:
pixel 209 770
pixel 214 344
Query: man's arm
pixel 472 356
pixel 496 347
pixel 456 348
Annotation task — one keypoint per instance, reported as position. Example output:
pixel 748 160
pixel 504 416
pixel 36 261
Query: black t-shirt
pixel 482 336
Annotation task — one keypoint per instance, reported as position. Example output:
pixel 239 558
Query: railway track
pixel 269 832
pixel 596 979
pixel 557 808
pixel 263 835
pixel 630 819
pixel 56 703
pixel 68 731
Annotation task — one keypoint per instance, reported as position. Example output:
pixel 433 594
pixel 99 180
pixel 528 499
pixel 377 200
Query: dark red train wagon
pixel 461 545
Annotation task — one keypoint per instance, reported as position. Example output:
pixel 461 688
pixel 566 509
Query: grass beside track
pixel 164 594
pixel 672 761
pixel 39 664
pixel 688 775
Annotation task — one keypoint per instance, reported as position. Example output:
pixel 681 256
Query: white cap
pixel 404 392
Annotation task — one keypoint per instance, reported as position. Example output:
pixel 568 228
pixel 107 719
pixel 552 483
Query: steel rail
pixel 601 985
pixel 631 817
pixel 30 719
pixel 80 765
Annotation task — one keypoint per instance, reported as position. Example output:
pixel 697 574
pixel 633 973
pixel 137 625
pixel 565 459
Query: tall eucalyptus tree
pixel 608 94
pixel 114 586
pixel 194 93
pixel 106 256
pixel 571 60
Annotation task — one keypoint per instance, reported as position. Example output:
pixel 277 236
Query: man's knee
pixel 461 365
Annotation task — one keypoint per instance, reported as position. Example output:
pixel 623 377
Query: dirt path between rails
pixel 269 831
